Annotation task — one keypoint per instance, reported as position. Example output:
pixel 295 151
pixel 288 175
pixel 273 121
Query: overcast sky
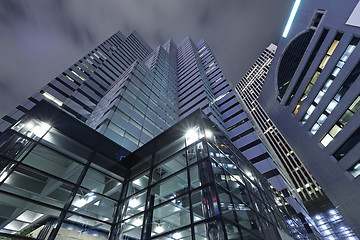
pixel 40 39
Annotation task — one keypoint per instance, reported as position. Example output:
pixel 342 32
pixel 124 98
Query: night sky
pixel 40 39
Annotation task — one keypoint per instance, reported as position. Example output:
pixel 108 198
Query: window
pixel 317 73
pixel 341 92
pixel 348 145
pixel 347 115
pixel 355 170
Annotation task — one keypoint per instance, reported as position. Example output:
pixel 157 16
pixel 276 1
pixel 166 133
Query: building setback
pixel 131 93
pixel 312 97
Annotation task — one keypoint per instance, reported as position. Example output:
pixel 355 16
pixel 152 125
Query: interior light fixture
pixel 192 135
pixel 291 18
pixel 176 235
pixel 159 229
pixel 133 203
pixel 137 222
pixel 208 133
pixel 357 166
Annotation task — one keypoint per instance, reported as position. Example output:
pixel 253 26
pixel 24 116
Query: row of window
pixel 318 71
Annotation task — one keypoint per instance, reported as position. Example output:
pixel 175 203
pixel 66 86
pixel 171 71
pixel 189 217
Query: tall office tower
pixel 310 192
pixel 248 90
pixel 142 102
pixel 150 94
pixel 80 87
pixel 203 85
pixel 312 97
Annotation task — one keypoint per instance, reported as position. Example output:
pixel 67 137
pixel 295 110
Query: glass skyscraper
pixel 58 182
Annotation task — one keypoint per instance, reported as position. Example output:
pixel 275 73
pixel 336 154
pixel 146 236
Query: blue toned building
pixel 312 97
pixel 128 93
pixel 328 220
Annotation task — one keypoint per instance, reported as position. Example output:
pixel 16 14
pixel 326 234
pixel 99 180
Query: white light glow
pixel 332 212
pixel 137 222
pixel 15 226
pixel 208 133
pixel 357 166
pixel 29 216
pixel 80 203
pixel 159 229
pixel 39 129
pixel 192 135
pixel 176 235
pixel 133 203
pixel 137 182
pixel 90 197
pixel 3 176
pixel 291 18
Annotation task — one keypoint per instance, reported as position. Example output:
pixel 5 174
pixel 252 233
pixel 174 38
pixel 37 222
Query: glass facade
pixel 191 183
pixel 62 180
pixel 58 178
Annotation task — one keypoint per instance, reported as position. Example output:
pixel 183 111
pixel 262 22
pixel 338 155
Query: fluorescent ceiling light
pixel 291 18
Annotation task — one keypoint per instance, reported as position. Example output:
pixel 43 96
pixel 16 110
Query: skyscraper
pixel 132 111
pixel 312 97
pixel 80 87
pixel 316 202
pixel 129 93
pixel 248 91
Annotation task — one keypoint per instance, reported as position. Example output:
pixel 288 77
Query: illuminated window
pixel 355 170
pixel 353 108
pixel 68 77
pixel 78 75
pixel 87 67
pixel 210 69
pixel 317 73
pixel 332 76
pixel 348 145
pixel 341 92
pixel 100 54
pixel 51 97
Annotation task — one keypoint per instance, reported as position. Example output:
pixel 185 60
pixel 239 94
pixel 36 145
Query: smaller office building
pixel 312 96
pixel 60 179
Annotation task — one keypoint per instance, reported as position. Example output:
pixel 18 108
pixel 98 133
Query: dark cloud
pixel 40 39
pixel 12 11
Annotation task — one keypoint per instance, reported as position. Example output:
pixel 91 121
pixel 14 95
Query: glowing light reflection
pixel 291 18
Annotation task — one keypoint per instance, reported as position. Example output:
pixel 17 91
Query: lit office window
pixel 78 75
pixel 317 73
pixel 351 111
pixel 332 76
pixel 307 66
pixel 355 170
pixel 51 97
pixel 341 92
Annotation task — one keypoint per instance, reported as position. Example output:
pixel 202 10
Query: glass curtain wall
pixel 196 185
pixel 54 187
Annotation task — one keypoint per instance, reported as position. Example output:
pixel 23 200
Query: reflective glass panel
pixel 171 215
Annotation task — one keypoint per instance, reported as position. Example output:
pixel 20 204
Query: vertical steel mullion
pixel 145 233
pixel 114 230
pixel 71 198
